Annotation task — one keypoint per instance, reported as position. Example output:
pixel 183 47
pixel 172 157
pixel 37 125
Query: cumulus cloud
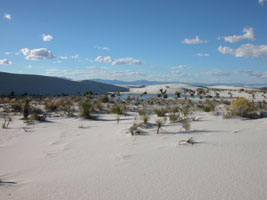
pixel 202 54
pixel 5 62
pixel 193 41
pixel 127 60
pixel 261 2
pixel 245 50
pixel 119 61
pixel 102 48
pixel 28 66
pixel 248 34
pixel 7 16
pixel 47 37
pixel 37 54
pixel 102 59
pixel 75 56
pixel 217 72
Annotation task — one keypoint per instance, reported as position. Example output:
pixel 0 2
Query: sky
pixel 205 41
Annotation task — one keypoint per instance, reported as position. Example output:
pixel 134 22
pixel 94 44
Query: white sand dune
pixel 101 161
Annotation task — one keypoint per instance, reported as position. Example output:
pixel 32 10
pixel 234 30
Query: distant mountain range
pixel 45 85
pixel 146 82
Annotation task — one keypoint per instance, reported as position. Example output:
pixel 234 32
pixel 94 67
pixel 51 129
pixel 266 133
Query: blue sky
pixel 187 40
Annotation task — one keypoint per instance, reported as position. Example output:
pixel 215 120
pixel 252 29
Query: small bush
pixel 16 107
pixel 117 109
pixel 241 107
pixel 208 106
pixel 40 118
pixel 87 108
pixel 26 108
pixel 186 125
pixel 159 125
pixel 160 112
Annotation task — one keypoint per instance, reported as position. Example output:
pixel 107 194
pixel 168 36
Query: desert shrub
pixel 16 107
pixel 6 122
pixel 159 124
pixel 160 112
pixel 104 99
pixel 86 108
pixel 134 129
pixel 186 125
pixel 241 107
pixel 117 109
pixel 177 94
pixel 208 106
pixel 26 108
pixel 36 110
pixel 174 117
pixel 52 105
pixel 67 107
pixel 38 117
pixel 184 111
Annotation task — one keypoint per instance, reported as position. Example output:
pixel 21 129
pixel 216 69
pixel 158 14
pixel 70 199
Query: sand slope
pixel 101 161
pixel 45 85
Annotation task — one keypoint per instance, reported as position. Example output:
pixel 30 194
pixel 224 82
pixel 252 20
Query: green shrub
pixel 26 108
pixel 118 109
pixel 241 107
pixel 160 112
pixel 16 107
pixel 86 108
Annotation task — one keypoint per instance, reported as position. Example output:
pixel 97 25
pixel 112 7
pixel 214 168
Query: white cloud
pixel 248 34
pixel 75 56
pixel 217 72
pixel 102 59
pixel 28 66
pixel 119 61
pixel 47 38
pixel 5 62
pixel 202 54
pixel 252 73
pixel 37 54
pixel 97 67
pixel 59 61
pixel 63 57
pixel 127 60
pixel 245 50
pixel 7 16
pixel 180 67
pixel 261 2
pixel 102 48
pixel 10 53
pixel 193 41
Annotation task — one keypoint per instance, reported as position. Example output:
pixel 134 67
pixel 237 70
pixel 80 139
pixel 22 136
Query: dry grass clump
pixel 52 105
pixel 186 125
pixel 208 106
pixel 241 107
pixel 6 122
pixel 135 129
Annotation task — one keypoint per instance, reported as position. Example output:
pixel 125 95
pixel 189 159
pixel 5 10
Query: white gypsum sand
pixel 74 158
